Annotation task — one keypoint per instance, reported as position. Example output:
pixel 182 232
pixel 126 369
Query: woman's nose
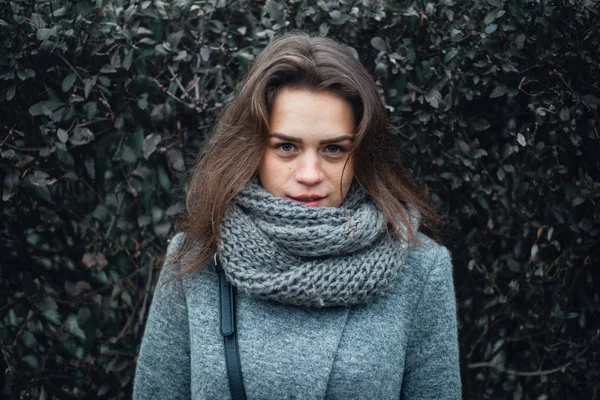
pixel 309 171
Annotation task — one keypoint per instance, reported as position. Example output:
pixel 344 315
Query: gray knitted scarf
pixel 277 249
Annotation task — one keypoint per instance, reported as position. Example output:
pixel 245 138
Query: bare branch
pixel 519 373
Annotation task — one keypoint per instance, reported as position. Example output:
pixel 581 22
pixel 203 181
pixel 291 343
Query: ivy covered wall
pixel 104 103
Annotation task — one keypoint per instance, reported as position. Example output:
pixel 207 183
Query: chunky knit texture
pixel 277 249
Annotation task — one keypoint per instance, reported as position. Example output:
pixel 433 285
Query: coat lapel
pixel 287 352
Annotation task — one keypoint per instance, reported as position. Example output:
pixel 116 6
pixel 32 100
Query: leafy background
pixel 104 104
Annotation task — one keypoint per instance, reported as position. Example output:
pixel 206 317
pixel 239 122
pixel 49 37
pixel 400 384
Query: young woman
pixel 304 205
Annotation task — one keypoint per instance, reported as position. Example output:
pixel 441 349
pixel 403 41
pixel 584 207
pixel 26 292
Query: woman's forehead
pixel 314 116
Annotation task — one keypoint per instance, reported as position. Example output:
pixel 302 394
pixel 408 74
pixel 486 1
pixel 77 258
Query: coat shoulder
pixel 424 261
pixel 427 255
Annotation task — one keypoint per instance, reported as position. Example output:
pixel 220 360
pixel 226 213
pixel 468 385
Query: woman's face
pixel 309 143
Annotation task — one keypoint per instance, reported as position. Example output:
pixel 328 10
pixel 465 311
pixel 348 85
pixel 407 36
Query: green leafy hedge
pixel 104 103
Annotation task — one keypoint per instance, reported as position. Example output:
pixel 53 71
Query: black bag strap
pixel 228 331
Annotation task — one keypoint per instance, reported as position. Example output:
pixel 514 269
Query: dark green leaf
pixel 128 59
pixel 274 11
pixel 81 136
pixel 128 155
pixel 47 303
pixel 150 143
pixel 163 179
pixel 52 316
pixel 10 92
pixel 464 147
pixel 46 33
pixel 498 92
pixel 68 82
pixel 108 69
pixel 40 178
pixel 491 28
pixel 45 107
pixel 591 101
pixel 480 124
pixel 205 53
pixel 115 60
pixel 175 209
pixel 564 114
pixel 32 361
pixel 73 328
pixel 450 55
pixel 434 98
pixel 143 101
pixel 62 135
pixel 378 43
pixel 489 18
pixel 61 12
pixel 89 84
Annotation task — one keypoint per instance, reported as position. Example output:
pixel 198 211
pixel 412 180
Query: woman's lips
pixel 313 202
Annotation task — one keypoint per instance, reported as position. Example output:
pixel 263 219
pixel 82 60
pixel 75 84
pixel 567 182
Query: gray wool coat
pixel 402 345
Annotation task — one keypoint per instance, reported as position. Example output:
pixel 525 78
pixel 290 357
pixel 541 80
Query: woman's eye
pixel 286 147
pixel 334 149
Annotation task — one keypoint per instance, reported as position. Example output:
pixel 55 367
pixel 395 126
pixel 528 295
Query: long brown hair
pixel 234 152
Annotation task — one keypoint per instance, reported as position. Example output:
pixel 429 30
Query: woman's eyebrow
pixel 291 139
